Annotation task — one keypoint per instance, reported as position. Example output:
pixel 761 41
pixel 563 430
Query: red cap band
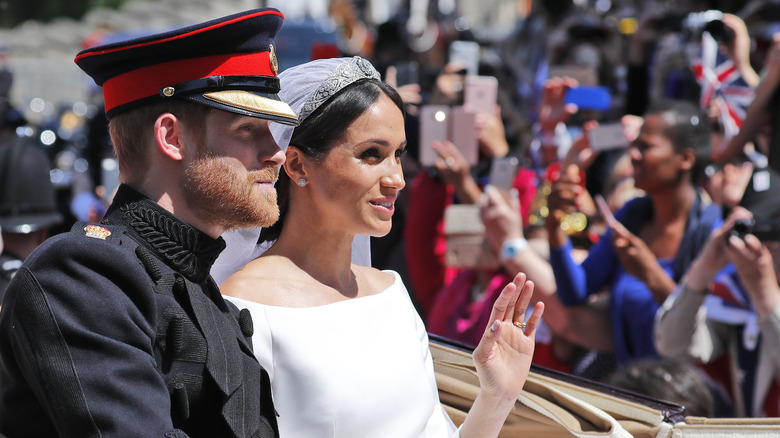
pixel 147 81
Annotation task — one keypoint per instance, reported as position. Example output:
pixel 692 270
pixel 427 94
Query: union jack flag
pixel 722 85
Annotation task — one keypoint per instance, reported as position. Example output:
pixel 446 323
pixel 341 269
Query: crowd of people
pixel 693 97
pixel 278 238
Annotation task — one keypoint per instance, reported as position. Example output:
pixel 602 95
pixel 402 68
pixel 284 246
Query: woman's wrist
pixel 512 247
pixel 467 190
pixel 487 415
pixel 699 277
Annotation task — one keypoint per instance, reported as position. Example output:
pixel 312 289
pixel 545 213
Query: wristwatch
pixel 512 247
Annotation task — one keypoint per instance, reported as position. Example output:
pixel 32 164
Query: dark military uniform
pixel 117 329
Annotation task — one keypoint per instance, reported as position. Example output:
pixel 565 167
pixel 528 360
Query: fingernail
pixel 494 327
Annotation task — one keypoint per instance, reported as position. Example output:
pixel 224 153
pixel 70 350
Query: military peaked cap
pixel 228 63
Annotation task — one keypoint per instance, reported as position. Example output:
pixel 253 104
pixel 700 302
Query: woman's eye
pixel 370 153
pixel 400 153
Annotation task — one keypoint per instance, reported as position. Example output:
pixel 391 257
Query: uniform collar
pixel 183 247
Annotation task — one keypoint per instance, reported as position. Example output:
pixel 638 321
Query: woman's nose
pixel 395 178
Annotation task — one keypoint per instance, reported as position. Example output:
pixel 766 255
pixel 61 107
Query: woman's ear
pixel 294 164
pixel 688 159
pixel 168 136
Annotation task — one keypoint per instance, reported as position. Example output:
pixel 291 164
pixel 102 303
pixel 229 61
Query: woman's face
pixel 656 163
pixel 357 183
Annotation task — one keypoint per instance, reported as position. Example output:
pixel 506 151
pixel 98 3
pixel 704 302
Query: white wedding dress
pixel 359 368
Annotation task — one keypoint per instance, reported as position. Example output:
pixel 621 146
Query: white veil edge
pixel 242 248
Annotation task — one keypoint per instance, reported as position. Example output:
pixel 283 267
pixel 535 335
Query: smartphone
pixel 467 246
pixel 462 133
pixel 434 126
pixel 503 171
pixel 588 97
pixel 608 136
pixel 583 75
pixel 407 73
pixel 605 211
pixel 466 52
pixel 480 93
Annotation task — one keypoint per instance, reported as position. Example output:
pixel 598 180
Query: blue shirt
pixel 632 306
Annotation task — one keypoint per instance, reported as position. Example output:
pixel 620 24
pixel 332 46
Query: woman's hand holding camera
pixel 553 109
pixel 738 49
pixel 564 192
pixel 581 152
pixel 448 89
pixel 454 170
pixel 500 213
pixel 491 134
pixel 755 266
pixel 713 256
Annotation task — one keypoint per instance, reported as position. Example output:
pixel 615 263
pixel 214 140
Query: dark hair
pixel 669 380
pixel 320 132
pixel 687 128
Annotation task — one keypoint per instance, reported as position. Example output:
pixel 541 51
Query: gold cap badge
pixel 272 57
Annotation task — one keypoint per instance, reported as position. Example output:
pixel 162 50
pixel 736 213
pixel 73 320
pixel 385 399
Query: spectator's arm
pixel 758 112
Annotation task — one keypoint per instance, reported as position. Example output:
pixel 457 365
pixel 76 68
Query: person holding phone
pixel 450 180
pixel 728 304
pixel 455 301
pixel 647 250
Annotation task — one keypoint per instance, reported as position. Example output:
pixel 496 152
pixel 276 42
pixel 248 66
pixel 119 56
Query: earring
pixel 302 182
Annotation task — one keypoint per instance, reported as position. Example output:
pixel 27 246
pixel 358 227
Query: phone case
pixel 462 133
pixel 604 209
pixel 466 52
pixel 434 126
pixel 467 246
pixel 503 172
pixel 407 73
pixel 583 75
pixel 608 136
pixel 589 97
pixel 480 93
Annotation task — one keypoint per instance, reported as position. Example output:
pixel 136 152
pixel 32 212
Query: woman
pixel 726 309
pixel 346 352
pixel 645 252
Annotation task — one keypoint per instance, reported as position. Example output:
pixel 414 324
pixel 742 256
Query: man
pixel 117 329
pixel 28 208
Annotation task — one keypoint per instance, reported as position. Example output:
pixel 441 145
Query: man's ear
pixel 168 133
pixel 294 164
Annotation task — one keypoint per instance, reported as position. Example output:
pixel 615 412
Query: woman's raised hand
pixel 503 356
